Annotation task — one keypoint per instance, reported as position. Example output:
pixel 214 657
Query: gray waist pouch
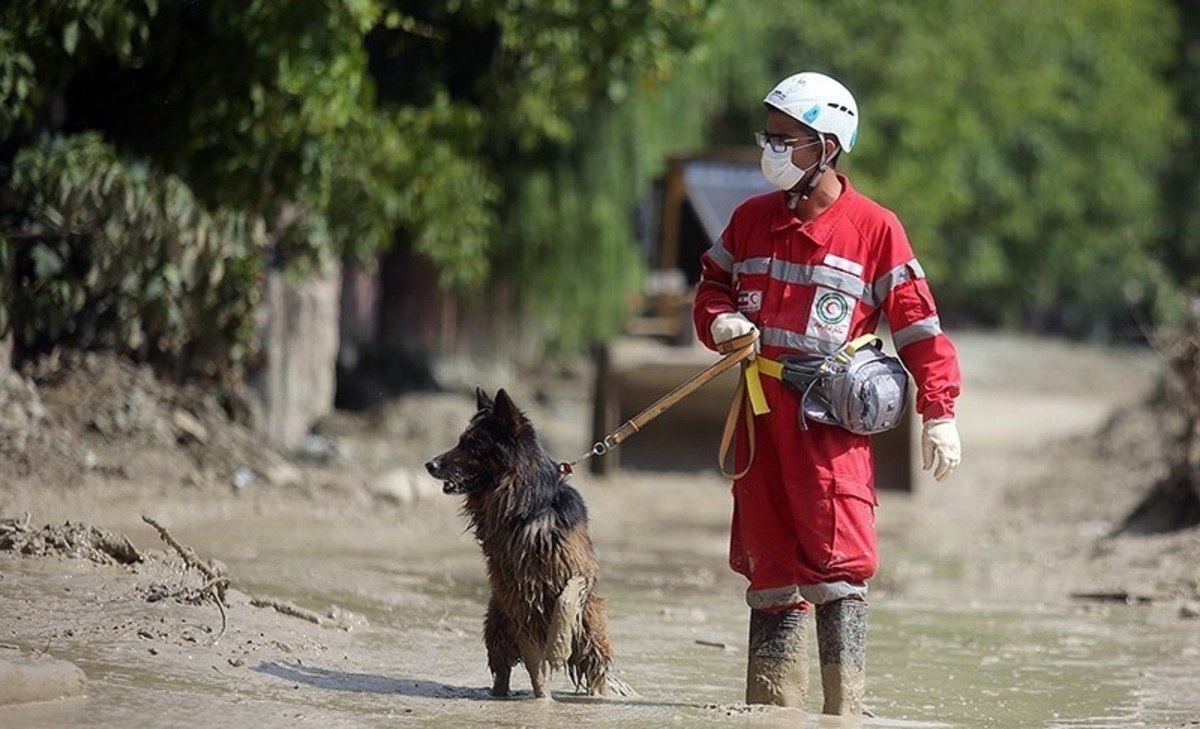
pixel 858 388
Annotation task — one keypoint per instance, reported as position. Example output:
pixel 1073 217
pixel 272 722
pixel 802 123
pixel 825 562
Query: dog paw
pixel 567 617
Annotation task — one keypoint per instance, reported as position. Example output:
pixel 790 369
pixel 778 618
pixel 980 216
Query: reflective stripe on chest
pixel 836 284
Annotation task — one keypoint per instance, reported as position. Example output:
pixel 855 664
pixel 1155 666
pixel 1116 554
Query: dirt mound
pixel 77 541
pixel 74 419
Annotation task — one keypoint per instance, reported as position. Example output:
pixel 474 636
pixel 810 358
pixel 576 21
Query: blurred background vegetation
pixel 157 156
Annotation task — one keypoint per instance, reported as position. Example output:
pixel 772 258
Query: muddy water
pixel 968 629
pixel 941 654
pixel 932 664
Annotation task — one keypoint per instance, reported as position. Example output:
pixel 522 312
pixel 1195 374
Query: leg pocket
pixel 853 554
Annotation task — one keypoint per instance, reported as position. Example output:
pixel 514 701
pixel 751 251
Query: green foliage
pixel 529 153
pixel 1180 188
pixel 17 83
pixel 62 34
pixel 267 89
pixel 1018 142
pixel 123 258
pixel 556 60
pixel 309 115
pixel 1007 144
pixel 43 43
pixel 510 139
pixel 437 190
pixel 569 235
pixel 245 101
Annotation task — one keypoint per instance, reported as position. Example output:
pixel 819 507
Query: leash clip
pixel 599 448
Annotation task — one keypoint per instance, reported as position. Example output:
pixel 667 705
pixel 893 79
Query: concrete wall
pixel 299 336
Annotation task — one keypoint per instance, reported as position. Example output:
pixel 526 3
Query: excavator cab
pixel 686 214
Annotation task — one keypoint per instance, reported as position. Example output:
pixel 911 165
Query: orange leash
pixel 736 351
pixel 737 407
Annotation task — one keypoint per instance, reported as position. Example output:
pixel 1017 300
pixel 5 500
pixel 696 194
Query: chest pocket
pixel 837 287
pixel 829 319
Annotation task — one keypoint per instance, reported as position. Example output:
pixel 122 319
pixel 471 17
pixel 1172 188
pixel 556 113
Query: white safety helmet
pixel 819 102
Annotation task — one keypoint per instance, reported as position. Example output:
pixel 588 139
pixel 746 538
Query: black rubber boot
pixel 842 644
pixel 777 667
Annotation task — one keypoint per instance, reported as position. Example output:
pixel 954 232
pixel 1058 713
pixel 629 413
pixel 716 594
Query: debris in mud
pixel 737 709
pixel 1127 597
pixel 77 541
pixel 217 582
pixel 287 608
pixel 213 571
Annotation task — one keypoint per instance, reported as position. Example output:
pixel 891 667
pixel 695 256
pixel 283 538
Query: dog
pixel 532 527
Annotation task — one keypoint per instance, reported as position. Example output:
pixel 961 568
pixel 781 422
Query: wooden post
pixel 674 197
pixel 894 451
pixel 7 299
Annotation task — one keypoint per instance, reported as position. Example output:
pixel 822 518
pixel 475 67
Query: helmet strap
pixel 795 197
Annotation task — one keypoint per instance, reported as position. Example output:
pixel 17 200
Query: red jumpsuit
pixel 804 514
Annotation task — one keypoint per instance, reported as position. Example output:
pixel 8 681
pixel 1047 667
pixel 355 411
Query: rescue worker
pixel 811 267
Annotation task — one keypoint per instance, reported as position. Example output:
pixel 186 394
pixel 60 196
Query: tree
pixel 1006 139
pixel 506 139
pixel 569 98
pixel 1180 188
pixel 1002 137
pixel 1173 502
pixel 306 116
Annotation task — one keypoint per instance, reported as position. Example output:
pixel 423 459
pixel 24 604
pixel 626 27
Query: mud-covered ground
pixel 352 597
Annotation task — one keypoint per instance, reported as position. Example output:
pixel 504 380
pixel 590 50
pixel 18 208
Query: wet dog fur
pixel 544 610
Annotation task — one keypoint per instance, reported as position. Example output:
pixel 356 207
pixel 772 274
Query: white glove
pixel 731 325
pixel 941 448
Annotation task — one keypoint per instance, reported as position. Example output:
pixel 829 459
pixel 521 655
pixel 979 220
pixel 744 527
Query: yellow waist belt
pixel 750 388
pixel 760 366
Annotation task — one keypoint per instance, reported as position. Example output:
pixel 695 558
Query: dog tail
pixel 616 687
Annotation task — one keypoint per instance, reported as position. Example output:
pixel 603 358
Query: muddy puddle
pixel 405 651
pixel 679 627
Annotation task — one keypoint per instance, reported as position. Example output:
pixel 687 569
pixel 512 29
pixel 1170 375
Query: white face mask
pixel 777 167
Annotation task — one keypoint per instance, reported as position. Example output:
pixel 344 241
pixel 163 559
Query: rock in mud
pixel 25 679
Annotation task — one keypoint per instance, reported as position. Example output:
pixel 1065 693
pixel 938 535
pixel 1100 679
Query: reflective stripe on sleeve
pixel 915 332
pixel 907 271
pixel 753 266
pixel 720 256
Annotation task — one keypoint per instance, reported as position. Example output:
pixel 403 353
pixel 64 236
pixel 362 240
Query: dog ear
pixel 482 401
pixel 507 411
